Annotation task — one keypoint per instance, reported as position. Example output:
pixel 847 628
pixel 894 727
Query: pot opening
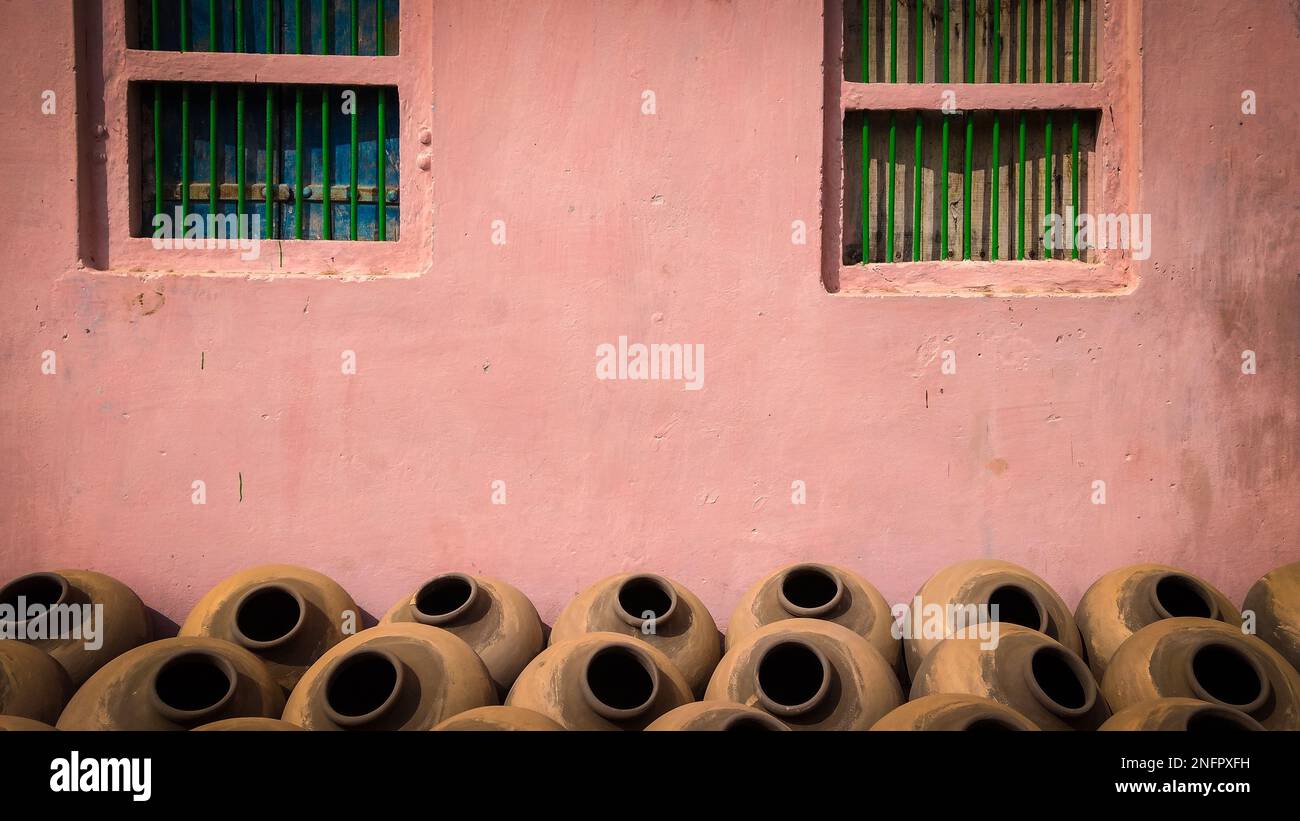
pixel 1016 605
pixel 442 599
pixel 991 724
pixel 1180 596
pixel 641 598
pixel 1227 675
pixel 194 684
pixel 361 686
pixel 745 722
pixel 43 589
pixel 620 682
pixel 810 591
pixel 1219 720
pixel 268 615
pixel 793 677
pixel 1063 684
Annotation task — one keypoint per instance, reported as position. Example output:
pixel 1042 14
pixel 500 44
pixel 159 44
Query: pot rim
pixel 1265 684
pixel 256 644
pixel 633 620
pixel 440 619
pixel 65 592
pixel 787 710
pixel 1195 584
pixel 767 720
pixel 620 713
pixel 817 611
pixel 203 713
pixel 1081 672
pixel 349 659
pixel 1044 617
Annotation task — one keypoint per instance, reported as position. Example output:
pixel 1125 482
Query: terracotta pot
pixel 1124 601
pixel 285 615
pixel 32 684
pixel 1206 660
pixel 811 674
pixel 1021 597
pixel 1180 714
pixel 491 719
pixel 955 711
pixel 251 724
pixel 399 676
pixel 492 617
pixel 1026 671
pixel 600 681
pixel 818 591
pixel 18 724
pixel 174 684
pixel 125 623
pixel 717 715
pixel 658 611
pixel 1275 601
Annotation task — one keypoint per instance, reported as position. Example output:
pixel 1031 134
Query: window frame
pixel 1115 171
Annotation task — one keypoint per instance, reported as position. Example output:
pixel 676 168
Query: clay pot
pixel 717 715
pixel 1275 601
pixel 251 724
pixel 811 674
pixel 1124 601
pixel 174 684
pixel 1022 599
pixel 818 591
pixel 1026 671
pixel 19 724
pixel 658 611
pixel 399 676
pixel 955 711
pixel 285 615
pixel 125 623
pixel 492 617
pixel 1206 660
pixel 600 681
pixel 1188 714
pixel 492 719
pixel 32 684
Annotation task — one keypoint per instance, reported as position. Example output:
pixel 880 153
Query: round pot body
pixel 493 719
pixel 655 610
pixel 398 676
pixel 174 684
pixel 492 617
pixel 249 724
pixel 717 716
pixel 1124 601
pixel 1275 601
pixel 287 616
pixel 32 684
pixel 74 606
pixel 963 590
pixel 1025 670
pixel 18 724
pixel 601 681
pixel 954 712
pixel 811 674
pixel 818 591
pixel 1206 660
pixel 1189 714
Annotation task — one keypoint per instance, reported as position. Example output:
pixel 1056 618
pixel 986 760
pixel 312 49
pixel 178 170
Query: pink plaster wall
pixel 666 228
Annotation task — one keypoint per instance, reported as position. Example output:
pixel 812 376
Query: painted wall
pixel 666 228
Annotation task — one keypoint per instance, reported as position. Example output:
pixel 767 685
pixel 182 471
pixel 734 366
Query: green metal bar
pixel 355 155
pixel 1020 175
pixel 970 136
pixel 1049 48
pixel 997 130
pixel 155 40
pixel 1074 144
pixel 268 230
pixel 893 130
pixel 327 209
pixel 240 103
pixel 943 155
pixel 214 184
pixel 866 146
pixel 920 137
pixel 297 129
pixel 381 195
pixel 185 119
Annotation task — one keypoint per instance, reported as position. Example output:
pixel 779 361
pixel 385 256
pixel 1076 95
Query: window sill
pixel 1019 278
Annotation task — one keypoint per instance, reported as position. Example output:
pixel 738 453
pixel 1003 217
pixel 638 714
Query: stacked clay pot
pixel 717 716
pixel 817 591
pixel 288 616
pixel 397 676
pixel 18 724
pixel 32 684
pixel 1180 714
pixel 955 712
pixel 247 724
pixel 811 674
pixel 1275 601
pixel 174 684
pixel 1125 600
pixel 1206 660
pixel 124 624
pixel 1022 599
pixel 492 719
pixel 493 618
pixel 601 681
pixel 1026 671
pixel 653 609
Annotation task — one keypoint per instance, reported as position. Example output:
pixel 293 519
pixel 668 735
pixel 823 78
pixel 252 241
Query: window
pixel 292 121
pixel 966 137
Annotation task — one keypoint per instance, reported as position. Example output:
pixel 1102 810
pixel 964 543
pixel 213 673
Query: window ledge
pixel 969 278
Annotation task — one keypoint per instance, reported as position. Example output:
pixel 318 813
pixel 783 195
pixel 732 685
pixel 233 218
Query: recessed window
pixel 270 26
